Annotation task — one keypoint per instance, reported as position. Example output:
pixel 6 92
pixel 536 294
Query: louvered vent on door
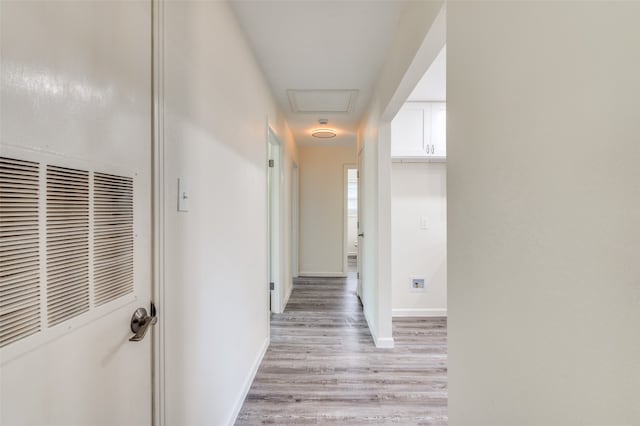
pixel 19 250
pixel 67 243
pixel 113 237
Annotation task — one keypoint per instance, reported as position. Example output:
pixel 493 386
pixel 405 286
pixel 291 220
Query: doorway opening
pixel 295 209
pixel 350 220
pixel 274 245
pixel 419 198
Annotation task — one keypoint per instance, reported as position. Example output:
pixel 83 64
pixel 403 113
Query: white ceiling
pixel 433 85
pixel 309 45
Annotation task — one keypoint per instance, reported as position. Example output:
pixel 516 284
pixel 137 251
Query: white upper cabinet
pixel 407 132
pixel 418 131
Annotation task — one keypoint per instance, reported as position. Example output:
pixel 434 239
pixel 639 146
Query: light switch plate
pixel 424 222
pixel 183 195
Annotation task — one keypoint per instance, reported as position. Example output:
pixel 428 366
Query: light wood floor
pixel 323 368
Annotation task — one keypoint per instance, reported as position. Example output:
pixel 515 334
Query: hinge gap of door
pixel 272 286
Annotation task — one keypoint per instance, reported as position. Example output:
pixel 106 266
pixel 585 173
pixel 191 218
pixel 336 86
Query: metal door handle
pixel 141 322
pixel 361 234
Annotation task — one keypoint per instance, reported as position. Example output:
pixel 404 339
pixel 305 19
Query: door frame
pixel 360 262
pixel 158 405
pixel 295 216
pixel 275 208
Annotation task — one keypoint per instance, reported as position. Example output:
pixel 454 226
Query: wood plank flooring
pixel 323 368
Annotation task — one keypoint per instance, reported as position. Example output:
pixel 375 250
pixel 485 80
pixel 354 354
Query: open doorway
pixel 419 198
pixel 274 183
pixel 295 209
pixel 350 219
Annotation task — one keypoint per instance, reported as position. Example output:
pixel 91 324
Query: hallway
pixel 323 368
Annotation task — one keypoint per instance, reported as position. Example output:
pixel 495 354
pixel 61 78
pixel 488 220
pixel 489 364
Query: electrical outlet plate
pixel 183 195
pixel 417 284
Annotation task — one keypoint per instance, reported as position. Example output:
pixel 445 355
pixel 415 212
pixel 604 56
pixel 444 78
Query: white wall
pixel 544 213
pixel 322 185
pixel 418 190
pixel 216 314
pixel 397 79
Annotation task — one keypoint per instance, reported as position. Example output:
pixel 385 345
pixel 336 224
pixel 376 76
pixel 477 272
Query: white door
pixel 295 208
pixel 274 181
pixel 75 141
pixel 359 227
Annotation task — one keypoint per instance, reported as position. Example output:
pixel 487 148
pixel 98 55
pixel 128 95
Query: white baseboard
pixel 380 342
pixel 286 297
pixel 385 343
pixel 419 312
pixel 323 274
pixel 248 382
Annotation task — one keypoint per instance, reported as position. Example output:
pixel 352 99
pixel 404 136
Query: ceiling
pixel 433 85
pixel 321 58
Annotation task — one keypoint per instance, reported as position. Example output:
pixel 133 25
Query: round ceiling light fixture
pixel 324 132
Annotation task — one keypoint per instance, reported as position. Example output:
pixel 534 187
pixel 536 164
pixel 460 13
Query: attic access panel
pixel 322 101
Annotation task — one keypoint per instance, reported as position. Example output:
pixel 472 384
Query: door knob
pixel 141 321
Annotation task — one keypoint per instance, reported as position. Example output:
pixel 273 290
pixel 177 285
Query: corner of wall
pixel 287 296
pixel 248 382
pixel 380 342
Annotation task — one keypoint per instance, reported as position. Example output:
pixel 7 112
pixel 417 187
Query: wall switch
pixel 417 284
pixel 424 222
pixel 183 196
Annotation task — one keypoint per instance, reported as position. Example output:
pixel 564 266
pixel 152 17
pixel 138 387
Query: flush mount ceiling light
pixel 323 133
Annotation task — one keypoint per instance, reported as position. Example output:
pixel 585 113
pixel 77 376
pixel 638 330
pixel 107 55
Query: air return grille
pixel 19 250
pixel 113 237
pixel 66 246
pixel 67 243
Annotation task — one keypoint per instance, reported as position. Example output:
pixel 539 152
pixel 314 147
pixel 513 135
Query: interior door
pixel 76 143
pixel 359 223
pixel 274 194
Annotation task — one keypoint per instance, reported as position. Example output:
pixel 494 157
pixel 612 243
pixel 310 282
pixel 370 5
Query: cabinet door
pixel 439 129
pixel 407 133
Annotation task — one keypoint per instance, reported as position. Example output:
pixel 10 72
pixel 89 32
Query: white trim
pixel 248 382
pixel 380 342
pixel 295 219
pixel 158 403
pixel 286 298
pixel 427 312
pixel 275 178
pixel 360 226
pixel 417 159
pixel 385 343
pixel 323 274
